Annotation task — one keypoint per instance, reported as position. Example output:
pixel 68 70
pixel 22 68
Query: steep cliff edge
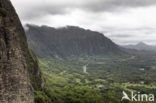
pixel 19 71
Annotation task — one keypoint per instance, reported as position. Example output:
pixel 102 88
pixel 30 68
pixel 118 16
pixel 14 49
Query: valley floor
pixel 103 82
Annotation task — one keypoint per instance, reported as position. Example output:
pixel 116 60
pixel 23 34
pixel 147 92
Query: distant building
pixel 85 69
pixel 142 82
pixel 142 69
pixel 100 86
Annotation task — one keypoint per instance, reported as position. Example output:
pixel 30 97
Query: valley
pixel 83 66
pixel 70 64
pixel 104 81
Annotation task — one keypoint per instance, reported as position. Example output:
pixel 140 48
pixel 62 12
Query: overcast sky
pixel 124 21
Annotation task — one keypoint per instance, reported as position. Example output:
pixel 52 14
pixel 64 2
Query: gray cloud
pixel 124 21
pixel 61 7
pixel 113 5
pixel 133 36
pixel 120 36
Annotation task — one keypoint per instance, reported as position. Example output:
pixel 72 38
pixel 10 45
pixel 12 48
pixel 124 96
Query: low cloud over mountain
pixel 135 18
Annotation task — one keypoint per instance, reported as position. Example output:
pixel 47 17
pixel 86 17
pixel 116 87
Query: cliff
pixel 19 71
pixel 69 41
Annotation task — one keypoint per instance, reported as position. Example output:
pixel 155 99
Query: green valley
pixel 103 83
pixel 84 66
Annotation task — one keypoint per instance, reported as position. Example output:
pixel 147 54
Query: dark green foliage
pixel 34 70
pixel 3 12
pixel 41 97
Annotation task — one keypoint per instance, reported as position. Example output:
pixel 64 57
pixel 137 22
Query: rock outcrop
pixel 19 72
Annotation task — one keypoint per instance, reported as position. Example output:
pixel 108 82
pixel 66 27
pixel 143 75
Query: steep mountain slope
pixel 141 46
pixel 69 41
pixel 19 69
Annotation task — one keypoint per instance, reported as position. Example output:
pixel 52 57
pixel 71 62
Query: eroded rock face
pixel 15 83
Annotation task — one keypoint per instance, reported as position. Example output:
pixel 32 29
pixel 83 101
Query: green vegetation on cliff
pixel 20 75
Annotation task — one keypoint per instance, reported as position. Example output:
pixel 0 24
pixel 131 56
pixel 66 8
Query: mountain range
pixel 141 46
pixel 69 41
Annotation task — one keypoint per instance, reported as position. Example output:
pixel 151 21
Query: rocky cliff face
pixel 69 41
pixel 19 73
